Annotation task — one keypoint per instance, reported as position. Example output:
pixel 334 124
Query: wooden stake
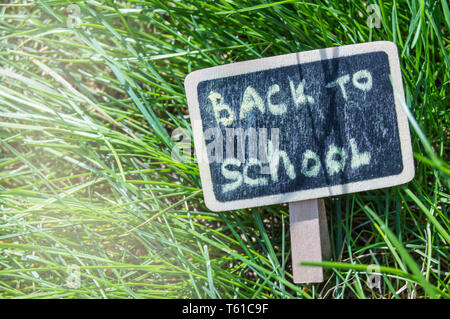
pixel 325 243
pixel 309 239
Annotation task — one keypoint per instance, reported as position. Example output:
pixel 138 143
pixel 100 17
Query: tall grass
pixel 88 181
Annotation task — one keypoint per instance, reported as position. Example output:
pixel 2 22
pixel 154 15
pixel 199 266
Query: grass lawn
pixel 90 99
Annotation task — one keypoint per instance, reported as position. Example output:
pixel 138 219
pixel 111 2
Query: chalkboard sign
pixel 300 126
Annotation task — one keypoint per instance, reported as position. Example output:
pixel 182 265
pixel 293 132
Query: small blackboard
pixel 300 126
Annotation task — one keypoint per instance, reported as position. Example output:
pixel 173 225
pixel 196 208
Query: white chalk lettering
pixel 241 136
pixel 341 81
pixel 220 106
pixel 250 100
pixel 234 175
pixel 363 74
pixel 334 165
pixel 358 159
pixel 298 94
pixel 275 109
pixel 254 181
pixel 310 170
pixel 263 151
pixel 251 157
pixel 364 85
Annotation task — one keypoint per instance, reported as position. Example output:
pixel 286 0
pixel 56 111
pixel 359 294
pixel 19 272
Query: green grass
pixel 87 178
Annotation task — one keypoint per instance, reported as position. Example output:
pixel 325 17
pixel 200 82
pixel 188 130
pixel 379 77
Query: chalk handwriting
pixel 252 100
pixel 335 160
pixel 266 158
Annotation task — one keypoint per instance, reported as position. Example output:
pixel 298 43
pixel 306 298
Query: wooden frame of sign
pixel 361 82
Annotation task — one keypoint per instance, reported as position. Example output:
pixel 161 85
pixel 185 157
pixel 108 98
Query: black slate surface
pixel 368 117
